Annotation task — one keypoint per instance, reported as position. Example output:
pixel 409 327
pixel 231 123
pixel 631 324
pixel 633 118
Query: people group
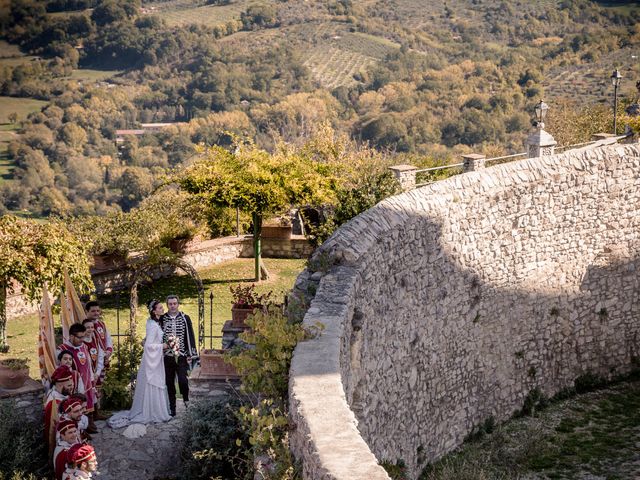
pixel 72 404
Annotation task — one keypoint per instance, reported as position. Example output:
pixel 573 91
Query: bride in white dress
pixel 151 401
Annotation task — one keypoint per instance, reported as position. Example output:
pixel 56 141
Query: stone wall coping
pixel 326 436
pixel 30 386
pixel 316 389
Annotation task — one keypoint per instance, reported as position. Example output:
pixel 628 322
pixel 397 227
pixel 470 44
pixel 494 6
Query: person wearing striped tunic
pixel 177 325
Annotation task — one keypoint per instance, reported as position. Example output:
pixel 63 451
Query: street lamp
pixel 615 81
pixel 541 113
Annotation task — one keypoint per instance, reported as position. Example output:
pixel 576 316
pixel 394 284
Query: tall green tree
pixel 33 253
pixel 258 183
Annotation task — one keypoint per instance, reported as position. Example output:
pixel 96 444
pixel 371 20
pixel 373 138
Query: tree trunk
pixel 260 271
pixel 3 318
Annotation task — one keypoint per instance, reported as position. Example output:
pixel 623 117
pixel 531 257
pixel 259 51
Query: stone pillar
pixel 540 143
pixel 473 162
pixel 405 175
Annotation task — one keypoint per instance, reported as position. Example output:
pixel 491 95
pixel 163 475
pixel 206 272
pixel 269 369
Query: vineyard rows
pixel 334 67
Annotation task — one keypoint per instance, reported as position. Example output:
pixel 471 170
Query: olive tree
pixel 257 182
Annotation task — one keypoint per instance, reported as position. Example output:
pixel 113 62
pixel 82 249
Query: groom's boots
pixel 91 428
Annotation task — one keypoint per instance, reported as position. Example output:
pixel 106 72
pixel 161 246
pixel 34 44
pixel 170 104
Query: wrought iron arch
pixel 144 273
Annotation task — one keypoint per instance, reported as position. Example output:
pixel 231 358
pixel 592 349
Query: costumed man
pixel 97 359
pixel 66 358
pixel 68 437
pixel 82 364
pixel 94 312
pixel 81 462
pixel 62 383
pixel 175 324
pixel 72 409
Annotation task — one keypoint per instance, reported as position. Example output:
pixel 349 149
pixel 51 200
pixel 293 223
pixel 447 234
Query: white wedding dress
pixel 151 401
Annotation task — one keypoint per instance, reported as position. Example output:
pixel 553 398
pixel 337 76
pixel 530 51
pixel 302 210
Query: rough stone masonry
pixel 448 304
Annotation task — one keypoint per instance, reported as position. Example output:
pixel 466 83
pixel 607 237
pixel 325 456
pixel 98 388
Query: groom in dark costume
pixel 175 323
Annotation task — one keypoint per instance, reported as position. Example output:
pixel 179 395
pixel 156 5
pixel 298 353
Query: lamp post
pixel 615 80
pixel 540 143
pixel 540 110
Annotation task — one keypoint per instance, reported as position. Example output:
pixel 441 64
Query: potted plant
pixel 245 300
pixel 279 228
pixel 13 372
pixel 213 365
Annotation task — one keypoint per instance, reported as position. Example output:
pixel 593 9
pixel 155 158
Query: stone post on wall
pixel 473 162
pixel 405 175
pixel 540 143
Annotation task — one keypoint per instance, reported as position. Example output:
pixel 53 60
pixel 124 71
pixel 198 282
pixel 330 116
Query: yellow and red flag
pixel 46 340
pixel 72 309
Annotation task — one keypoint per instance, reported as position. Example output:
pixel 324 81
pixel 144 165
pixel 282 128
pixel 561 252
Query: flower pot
pixel 239 315
pixel 276 231
pixel 109 262
pixel 212 365
pixel 179 245
pixel 11 379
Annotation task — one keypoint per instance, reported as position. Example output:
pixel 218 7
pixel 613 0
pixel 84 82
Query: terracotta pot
pixel 239 315
pixel 276 231
pixel 12 379
pixel 179 245
pixel 212 365
pixel 109 262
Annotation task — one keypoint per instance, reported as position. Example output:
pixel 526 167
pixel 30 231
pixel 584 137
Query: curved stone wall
pixel 448 304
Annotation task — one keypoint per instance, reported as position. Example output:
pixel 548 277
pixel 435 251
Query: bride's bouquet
pixel 174 345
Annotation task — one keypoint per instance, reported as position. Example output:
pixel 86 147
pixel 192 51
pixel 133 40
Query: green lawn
pixel 21 106
pixel 22 331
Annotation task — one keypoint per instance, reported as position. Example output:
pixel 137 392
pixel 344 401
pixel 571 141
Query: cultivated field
pixel 88 75
pixel 591 81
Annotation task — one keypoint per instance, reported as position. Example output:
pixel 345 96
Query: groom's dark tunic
pixel 179 326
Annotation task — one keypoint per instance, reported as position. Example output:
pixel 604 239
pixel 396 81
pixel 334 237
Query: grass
pixel 21 106
pixel 186 13
pixel 89 75
pixel 594 434
pixel 22 331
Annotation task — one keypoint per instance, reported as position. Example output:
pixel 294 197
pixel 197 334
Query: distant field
pixel 334 67
pixel 88 75
pixel 591 81
pixel 338 56
pixel 186 13
pixel 21 106
pixel 10 55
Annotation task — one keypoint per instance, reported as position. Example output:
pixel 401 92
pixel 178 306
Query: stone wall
pixel 25 401
pixel 447 304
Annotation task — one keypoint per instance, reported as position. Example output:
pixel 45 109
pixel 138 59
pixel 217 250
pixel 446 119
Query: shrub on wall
pixel 22 451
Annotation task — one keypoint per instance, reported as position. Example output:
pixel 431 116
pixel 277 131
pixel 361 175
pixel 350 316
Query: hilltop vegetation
pixel 420 78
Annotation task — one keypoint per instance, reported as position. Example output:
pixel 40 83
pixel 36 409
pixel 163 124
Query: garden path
pixel 155 455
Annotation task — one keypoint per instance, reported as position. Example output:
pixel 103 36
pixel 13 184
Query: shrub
pixel 116 388
pixel 213 443
pixel 22 450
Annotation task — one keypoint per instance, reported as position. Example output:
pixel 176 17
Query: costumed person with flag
pixel 67 431
pixel 66 358
pixel 61 387
pixel 81 462
pixel 103 337
pixel 97 360
pixel 82 364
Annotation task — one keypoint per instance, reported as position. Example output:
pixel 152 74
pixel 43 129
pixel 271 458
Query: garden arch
pixel 144 273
